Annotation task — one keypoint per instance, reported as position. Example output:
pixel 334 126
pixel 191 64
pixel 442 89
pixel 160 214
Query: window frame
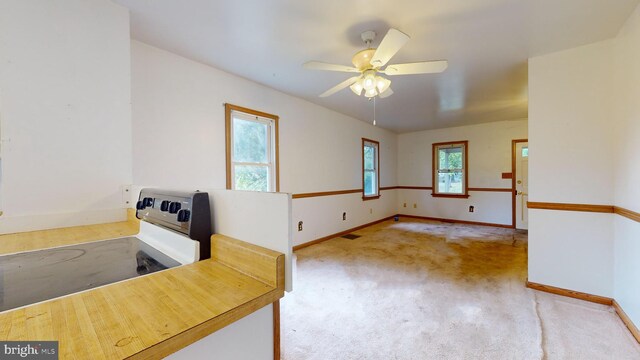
pixel 434 169
pixel 377 169
pixel 272 140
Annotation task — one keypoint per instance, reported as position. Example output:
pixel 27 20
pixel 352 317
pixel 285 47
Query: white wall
pixel 64 111
pixel 626 110
pixel 572 250
pixel 570 126
pixel 584 106
pixel 234 342
pixel 181 101
pixel 322 216
pixel 489 156
pixel 269 225
pixel 570 161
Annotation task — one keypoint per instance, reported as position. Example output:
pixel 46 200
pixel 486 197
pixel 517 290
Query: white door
pixel 522 185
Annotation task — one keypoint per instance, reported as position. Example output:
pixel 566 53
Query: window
pixel 370 169
pixel 525 151
pixel 252 149
pixel 450 169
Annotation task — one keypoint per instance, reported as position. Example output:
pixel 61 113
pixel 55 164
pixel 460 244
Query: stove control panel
pixel 182 211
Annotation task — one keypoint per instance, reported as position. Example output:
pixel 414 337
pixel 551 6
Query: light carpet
pixel 419 289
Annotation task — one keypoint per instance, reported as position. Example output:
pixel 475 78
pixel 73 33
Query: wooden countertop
pixel 151 316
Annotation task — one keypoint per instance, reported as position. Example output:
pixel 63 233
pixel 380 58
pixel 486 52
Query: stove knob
pixel 183 215
pixel 140 205
pixel 147 202
pixel 164 205
pixel 174 207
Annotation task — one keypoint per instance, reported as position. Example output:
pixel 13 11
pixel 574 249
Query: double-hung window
pixel 370 169
pixel 450 169
pixel 252 149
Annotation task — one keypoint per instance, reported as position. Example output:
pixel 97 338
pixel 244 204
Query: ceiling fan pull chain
pixel 374 111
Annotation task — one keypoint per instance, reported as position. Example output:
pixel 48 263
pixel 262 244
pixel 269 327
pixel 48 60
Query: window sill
pixel 454 196
pixel 365 198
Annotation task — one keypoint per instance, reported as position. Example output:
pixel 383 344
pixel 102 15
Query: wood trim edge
pixel 514 144
pixel 627 321
pixel 276 330
pixel 434 146
pixel 384 188
pixel 491 189
pixel 570 293
pixel 451 196
pixel 338 234
pixel 632 215
pixel 456 221
pixel 608 209
pixel 228 108
pixel 415 187
pixel 227 142
pixel 377 143
pixel 633 329
pixel 325 193
pixel 570 207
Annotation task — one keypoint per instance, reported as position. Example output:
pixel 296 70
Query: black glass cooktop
pixel 30 277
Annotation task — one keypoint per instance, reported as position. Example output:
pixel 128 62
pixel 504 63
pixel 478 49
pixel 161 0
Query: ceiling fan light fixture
pixel 382 84
pixel 369 80
pixel 367 64
pixel 371 92
pixel 357 87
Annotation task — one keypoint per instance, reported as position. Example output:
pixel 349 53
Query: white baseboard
pixel 16 224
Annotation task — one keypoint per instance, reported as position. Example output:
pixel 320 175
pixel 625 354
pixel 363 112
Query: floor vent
pixel 351 236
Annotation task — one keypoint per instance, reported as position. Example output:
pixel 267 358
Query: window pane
pixel 450 158
pixel 249 141
pixel 525 152
pixel 450 182
pixel 369 157
pixel 251 177
pixel 370 183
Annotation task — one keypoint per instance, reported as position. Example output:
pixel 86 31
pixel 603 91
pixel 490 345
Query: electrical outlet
pixel 344 216
pixel 299 225
pixel 404 205
pixel 370 210
pixel 471 209
pixel 126 196
pixel 415 206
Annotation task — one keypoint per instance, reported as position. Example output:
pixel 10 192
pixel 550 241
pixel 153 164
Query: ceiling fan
pixel 369 62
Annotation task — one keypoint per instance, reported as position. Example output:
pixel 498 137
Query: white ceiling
pixel 487 43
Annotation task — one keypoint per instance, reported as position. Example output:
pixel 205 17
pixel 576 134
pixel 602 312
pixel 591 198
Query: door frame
pixel 513 179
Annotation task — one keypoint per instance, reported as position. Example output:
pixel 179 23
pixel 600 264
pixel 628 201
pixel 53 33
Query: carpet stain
pixel 419 289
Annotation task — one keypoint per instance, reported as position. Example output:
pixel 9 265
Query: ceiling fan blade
pixel 386 93
pixel 340 86
pixel 389 46
pixel 317 65
pixel 424 67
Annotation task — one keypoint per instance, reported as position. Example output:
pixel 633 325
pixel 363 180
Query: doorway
pixel 520 183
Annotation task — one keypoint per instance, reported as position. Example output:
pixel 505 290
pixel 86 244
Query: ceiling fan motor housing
pixel 362 59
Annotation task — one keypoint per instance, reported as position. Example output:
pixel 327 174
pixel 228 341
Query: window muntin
pixel 251 150
pixel 370 169
pixel 450 169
